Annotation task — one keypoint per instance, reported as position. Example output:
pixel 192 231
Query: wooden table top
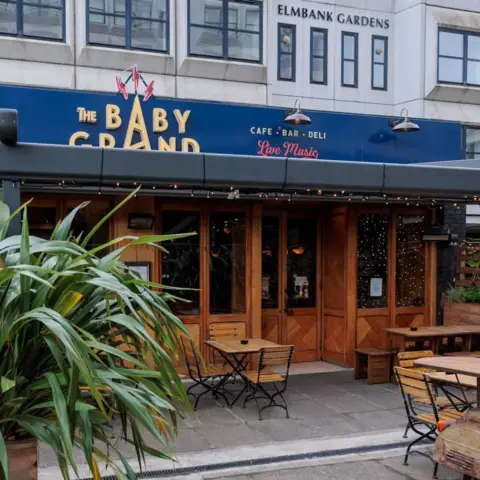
pixel 464 380
pixel 428 332
pixel 464 365
pixel 469 328
pixel 234 346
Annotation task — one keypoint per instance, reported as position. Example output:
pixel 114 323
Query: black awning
pixel 210 171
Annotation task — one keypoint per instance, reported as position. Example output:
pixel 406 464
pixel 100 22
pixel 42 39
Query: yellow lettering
pixel 136 124
pixel 114 120
pixel 181 119
pixel 188 143
pixel 106 140
pixel 163 146
pixel 160 122
pixel 79 136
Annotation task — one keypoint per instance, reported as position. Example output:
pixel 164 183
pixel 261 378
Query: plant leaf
pixel 7 384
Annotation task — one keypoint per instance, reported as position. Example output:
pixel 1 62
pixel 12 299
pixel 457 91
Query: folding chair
pixel 201 374
pixel 271 359
pixel 406 359
pixel 223 331
pixel 414 386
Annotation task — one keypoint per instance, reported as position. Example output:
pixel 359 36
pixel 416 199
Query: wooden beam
pixel 351 286
pixel 256 271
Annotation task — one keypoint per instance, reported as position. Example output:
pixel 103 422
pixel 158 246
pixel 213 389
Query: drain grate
pixel 176 472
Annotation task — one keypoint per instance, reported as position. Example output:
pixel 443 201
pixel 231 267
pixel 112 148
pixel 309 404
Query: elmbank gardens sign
pixel 327 16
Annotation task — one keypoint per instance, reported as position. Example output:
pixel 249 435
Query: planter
pixel 461 314
pixel 22 460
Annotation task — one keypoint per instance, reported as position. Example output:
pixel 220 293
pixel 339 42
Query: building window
pixel 349 59
pixel 287 46
pixel 318 55
pixel 471 142
pixel 132 24
pixel 229 29
pixel 42 19
pixel 379 62
pixel 458 57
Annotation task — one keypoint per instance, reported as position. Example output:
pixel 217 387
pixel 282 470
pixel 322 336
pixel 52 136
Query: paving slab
pixel 350 404
pixel 231 435
pixel 379 420
pixel 283 431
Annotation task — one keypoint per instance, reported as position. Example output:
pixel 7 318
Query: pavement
pixel 330 413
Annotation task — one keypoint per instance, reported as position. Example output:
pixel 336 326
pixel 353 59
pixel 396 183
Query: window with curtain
pixel 131 24
pixel 372 261
pixel 41 19
pixel 229 29
pixel 458 57
pixel 410 264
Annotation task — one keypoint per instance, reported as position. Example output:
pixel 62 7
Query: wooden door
pixel 290 293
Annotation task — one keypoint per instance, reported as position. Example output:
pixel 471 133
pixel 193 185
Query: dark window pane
pixel 286 67
pixel 301 263
pixel 42 22
pixel 472 139
pixel 42 221
pixel 244 46
pixel 450 70
pixel 451 44
pixel 206 41
pixel 8 17
pixel 181 266
pixel 372 254
pixel 227 262
pixel 270 232
pixel 410 274
pixel 86 219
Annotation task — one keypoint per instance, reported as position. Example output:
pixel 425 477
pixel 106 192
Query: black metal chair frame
pixel 201 380
pixel 255 388
pixel 413 422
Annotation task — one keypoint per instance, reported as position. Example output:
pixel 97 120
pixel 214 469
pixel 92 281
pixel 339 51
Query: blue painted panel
pixel 52 116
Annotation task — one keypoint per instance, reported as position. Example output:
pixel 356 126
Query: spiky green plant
pixel 68 320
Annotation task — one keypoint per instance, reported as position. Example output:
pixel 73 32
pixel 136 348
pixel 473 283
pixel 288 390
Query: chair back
pixel 276 357
pixel 224 331
pixel 195 365
pixel 407 359
pixel 415 385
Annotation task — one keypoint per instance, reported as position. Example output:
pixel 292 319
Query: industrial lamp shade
pixel 405 126
pixel 296 117
pixel 437 233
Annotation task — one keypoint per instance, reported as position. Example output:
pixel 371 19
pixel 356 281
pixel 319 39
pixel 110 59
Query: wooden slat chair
pixel 223 331
pixel 201 374
pixel 271 361
pixel 406 360
pixel 415 385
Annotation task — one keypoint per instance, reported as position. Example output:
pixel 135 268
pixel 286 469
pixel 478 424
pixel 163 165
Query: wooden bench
pixel 374 364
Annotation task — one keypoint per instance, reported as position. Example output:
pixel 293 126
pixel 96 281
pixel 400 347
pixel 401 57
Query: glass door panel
pixel 270 273
pixel 181 265
pixel 227 263
pixel 301 262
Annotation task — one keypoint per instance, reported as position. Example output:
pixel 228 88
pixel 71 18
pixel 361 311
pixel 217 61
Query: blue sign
pixel 111 120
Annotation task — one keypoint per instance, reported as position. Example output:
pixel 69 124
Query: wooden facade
pixel 325 319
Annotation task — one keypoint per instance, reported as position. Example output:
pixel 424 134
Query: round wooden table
pixel 463 365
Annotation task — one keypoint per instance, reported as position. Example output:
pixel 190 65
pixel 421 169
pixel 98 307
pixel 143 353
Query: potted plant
pixel 461 305
pixel 69 322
